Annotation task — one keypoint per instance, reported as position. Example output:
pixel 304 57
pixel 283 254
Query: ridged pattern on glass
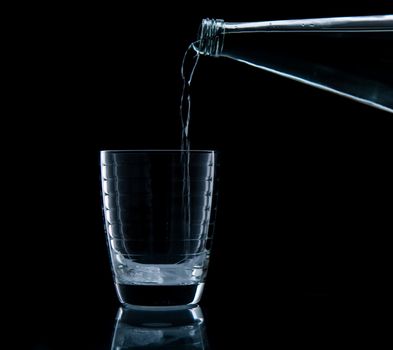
pixel 144 201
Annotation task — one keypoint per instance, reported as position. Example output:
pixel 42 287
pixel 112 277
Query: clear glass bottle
pixel 349 56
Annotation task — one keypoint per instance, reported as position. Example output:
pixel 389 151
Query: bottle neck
pixel 211 37
pixel 212 31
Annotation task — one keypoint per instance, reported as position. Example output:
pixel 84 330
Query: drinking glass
pixel 159 208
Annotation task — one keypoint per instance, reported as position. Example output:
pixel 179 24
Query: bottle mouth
pixel 210 37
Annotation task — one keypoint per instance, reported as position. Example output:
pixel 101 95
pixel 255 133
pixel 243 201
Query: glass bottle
pixel 349 56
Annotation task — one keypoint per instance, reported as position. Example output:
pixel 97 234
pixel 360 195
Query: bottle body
pixel 352 57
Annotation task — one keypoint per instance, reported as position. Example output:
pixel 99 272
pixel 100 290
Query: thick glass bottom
pixel 159 295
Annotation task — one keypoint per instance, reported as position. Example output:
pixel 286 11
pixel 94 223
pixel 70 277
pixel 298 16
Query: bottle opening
pixel 211 37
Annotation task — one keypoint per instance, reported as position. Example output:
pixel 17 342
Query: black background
pixel 305 192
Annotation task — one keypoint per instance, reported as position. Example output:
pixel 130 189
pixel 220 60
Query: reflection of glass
pixel 169 329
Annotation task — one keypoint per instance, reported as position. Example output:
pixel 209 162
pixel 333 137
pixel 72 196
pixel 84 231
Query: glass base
pixel 159 295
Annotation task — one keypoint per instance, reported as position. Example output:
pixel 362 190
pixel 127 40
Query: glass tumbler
pixel 159 208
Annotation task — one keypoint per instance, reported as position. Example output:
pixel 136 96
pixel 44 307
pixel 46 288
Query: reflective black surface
pixel 206 327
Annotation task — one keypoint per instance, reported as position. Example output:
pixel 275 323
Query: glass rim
pixel 156 150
